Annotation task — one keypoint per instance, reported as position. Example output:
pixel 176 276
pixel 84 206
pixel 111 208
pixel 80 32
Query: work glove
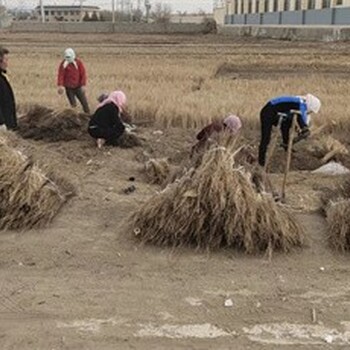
pixel 303 134
pixel 285 147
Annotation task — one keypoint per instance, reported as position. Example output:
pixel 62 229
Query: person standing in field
pixel 106 125
pixel 8 117
pixel 72 79
pixel 280 111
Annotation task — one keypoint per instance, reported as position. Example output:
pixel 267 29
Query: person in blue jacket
pixel 285 107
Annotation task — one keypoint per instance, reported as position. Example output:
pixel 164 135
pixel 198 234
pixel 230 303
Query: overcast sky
pixel 176 5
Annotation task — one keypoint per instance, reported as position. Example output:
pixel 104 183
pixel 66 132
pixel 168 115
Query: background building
pixel 69 13
pixel 285 12
pixel 260 6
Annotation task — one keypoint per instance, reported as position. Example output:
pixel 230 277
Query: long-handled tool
pixel 266 179
pixel 289 154
pixel 273 143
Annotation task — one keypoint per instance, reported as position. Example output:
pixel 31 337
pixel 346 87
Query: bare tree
pixel 161 13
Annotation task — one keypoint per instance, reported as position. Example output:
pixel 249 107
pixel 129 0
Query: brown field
pixel 84 283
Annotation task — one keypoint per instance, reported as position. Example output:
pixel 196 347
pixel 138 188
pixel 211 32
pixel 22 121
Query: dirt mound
pixel 42 123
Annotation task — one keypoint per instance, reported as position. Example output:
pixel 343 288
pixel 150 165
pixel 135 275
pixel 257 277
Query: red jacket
pixel 73 76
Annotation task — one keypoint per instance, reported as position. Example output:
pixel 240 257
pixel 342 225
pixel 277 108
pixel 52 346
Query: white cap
pixel 313 103
pixel 69 55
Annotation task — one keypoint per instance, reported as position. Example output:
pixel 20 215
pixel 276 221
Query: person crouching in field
pixel 280 111
pixel 231 124
pixel 106 125
pixel 72 79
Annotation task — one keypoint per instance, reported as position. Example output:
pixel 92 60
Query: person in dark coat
pixel 106 125
pixel 72 79
pixel 279 111
pixel 8 117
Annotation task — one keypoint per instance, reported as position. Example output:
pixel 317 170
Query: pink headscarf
pixel 233 123
pixel 117 97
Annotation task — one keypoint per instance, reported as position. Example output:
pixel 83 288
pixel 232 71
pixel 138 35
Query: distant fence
pixel 330 16
pixel 288 32
pixel 108 27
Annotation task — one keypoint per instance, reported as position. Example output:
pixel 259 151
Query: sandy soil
pixel 85 283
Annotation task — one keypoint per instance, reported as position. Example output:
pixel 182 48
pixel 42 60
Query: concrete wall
pixel 292 17
pixel 319 17
pixel 271 18
pixel 342 17
pixel 253 18
pixel 329 16
pixel 107 27
pixel 302 33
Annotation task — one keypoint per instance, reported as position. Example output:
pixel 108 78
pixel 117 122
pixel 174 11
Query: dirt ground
pixel 85 283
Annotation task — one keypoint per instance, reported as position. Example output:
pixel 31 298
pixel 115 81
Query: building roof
pixel 68 8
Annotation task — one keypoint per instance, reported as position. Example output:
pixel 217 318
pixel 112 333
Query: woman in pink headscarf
pixel 231 124
pixel 106 125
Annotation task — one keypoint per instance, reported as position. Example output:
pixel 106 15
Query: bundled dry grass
pixel 42 123
pixel 28 197
pixel 338 218
pixel 217 205
pixel 336 207
pixel 157 170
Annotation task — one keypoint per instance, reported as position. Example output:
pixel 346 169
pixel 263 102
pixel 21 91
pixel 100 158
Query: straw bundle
pixel 157 170
pixel 338 218
pixel 29 198
pixel 42 123
pixel 216 205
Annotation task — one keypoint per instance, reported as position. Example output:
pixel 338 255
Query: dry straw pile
pixel 217 205
pixel 28 197
pixel 42 123
pixel 157 170
pixel 337 210
pixel 338 217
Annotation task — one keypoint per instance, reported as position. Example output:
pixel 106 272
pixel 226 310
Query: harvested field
pixel 83 282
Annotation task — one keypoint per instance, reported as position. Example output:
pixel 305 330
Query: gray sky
pixel 176 5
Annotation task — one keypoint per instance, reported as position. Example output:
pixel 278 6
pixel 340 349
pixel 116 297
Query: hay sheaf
pixel 28 197
pixel 338 218
pixel 157 170
pixel 42 123
pixel 216 205
pixel 336 207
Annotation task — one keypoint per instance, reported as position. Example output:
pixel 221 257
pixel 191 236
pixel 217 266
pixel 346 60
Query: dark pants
pixel 109 134
pixel 77 93
pixel 266 130
pixel 268 119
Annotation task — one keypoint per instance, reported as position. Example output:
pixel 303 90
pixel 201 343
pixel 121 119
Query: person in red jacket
pixel 72 78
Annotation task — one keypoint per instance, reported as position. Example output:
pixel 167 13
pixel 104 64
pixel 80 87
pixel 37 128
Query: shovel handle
pixel 289 156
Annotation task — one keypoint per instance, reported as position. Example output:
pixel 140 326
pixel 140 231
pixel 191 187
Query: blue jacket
pixel 285 104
